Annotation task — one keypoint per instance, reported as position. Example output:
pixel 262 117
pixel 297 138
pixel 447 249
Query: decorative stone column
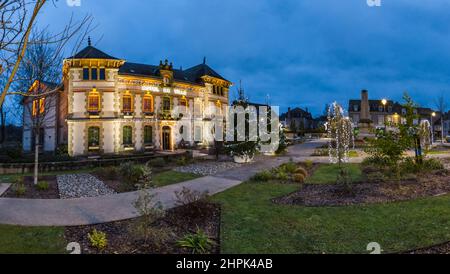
pixel 365 123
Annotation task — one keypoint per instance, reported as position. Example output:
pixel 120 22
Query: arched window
pixel 93 137
pixel 147 103
pixel 148 135
pixel 127 102
pixel 166 80
pixel 94 101
pixel 127 135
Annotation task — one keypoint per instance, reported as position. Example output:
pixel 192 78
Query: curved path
pixel 86 211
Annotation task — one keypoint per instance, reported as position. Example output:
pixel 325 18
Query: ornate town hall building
pixel 114 106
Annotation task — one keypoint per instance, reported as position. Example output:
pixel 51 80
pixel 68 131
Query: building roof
pixel 91 52
pixel 201 70
pixel 191 75
pixel 296 113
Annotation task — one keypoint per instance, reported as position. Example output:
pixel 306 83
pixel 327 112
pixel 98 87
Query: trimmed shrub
pixel 198 243
pixel 298 178
pixel 281 175
pixel 98 239
pixel 302 171
pixel 289 168
pixel 133 175
pixel 42 186
pixel 263 176
pixel 309 164
pixel 157 162
pixel 19 186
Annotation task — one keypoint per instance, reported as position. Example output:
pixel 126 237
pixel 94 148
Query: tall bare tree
pixel 18 19
pixel 38 81
pixel 40 74
pixel 441 106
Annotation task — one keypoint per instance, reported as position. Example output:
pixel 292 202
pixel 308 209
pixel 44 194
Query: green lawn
pixel 172 177
pixel 327 174
pixel 251 223
pixel 31 240
pixel 160 179
pixel 10 177
pixel 438 152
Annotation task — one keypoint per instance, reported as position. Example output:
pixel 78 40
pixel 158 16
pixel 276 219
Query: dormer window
pixel 86 73
pixel 166 80
pixel 94 74
pixel 102 74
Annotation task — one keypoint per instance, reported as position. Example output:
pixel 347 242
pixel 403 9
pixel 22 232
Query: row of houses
pixel 383 113
pixel 380 112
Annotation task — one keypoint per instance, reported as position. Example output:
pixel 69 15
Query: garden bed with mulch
pixel 435 183
pixel 31 191
pixel 434 250
pixel 179 221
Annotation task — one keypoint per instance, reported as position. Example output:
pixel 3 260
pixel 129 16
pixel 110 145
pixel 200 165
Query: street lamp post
pixel 433 114
pixel 384 102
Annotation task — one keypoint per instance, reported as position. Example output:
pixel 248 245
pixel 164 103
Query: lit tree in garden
pixel 340 132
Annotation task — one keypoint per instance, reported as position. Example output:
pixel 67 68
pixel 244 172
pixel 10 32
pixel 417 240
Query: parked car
pixel 448 138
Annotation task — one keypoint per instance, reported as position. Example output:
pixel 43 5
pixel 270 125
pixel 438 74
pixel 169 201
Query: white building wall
pixel 26 140
pixel 78 138
pixel 79 104
pixel 49 139
pixel 138 105
pixel 139 134
pixel 108 104
pixel 108 134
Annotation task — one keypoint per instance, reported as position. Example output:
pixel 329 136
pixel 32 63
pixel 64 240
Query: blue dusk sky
pixel 303 53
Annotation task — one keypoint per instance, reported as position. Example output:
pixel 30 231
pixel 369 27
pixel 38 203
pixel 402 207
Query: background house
pixel 44 117
pixel 383 112
pixel 297 119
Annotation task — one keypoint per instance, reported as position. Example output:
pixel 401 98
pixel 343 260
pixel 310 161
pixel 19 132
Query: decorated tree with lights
pixel 340 132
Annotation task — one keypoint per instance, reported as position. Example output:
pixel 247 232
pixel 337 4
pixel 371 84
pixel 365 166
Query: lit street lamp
pixel 433 114
pixel 384 102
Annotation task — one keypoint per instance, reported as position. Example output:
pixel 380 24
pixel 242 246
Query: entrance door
pixel 166 138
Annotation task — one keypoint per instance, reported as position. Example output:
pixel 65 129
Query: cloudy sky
pixel 301 52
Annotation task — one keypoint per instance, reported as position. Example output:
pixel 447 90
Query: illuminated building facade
pixel 114 106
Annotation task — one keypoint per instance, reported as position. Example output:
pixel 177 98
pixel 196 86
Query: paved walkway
pixel 85 211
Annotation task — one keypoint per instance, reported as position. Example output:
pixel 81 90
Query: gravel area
pixel 81 185
pixel 207 168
